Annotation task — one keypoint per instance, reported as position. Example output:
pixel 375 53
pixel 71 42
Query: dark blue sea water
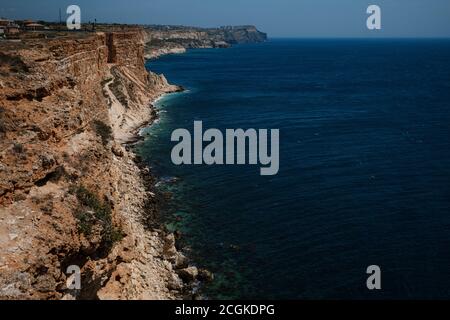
pixel 364 167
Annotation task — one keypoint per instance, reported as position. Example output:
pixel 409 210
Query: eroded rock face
pixel 69 193
pixel 161 40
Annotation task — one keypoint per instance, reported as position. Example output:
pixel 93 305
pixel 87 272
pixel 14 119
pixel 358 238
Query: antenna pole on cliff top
pixel 60 20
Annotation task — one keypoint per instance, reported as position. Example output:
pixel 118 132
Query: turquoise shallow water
pixel 364 167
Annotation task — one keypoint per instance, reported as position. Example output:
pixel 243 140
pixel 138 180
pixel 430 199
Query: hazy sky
pixel 286 18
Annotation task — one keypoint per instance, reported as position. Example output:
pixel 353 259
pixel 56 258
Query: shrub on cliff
pixel 88 199
pixel 92 212
pixel 18 148
pixel 13 64
pixel 2 126
pixel 2 122
pixel 103 131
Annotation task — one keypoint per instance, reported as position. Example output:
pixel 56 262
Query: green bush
pixel 103 131
pixel 15 63
pixel 90 200
pixel 91 212
pixel 2 122
pixel 112 235
pixel 85 222
pixel 18 148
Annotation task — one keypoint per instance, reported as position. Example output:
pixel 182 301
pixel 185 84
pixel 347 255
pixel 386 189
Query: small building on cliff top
pixel 5 22
pixel 12 29
pixel 34 26
pixel 9 27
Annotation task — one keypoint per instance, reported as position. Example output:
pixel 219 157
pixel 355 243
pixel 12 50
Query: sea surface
pixel 364 167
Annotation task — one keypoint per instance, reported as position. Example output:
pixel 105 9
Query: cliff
pixel 162 40
pixel 70 192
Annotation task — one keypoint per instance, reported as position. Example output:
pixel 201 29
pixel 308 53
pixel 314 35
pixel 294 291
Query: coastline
pixel 136 133
pixel 114 238
pixel 72 190
pixel 141 214
pixel 184 276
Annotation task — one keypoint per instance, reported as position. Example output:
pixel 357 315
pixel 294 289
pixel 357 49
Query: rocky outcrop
pixel 70 193
pixel 162 40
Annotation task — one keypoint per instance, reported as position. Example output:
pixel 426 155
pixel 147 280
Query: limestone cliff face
pixel 70 194
pixel 161 40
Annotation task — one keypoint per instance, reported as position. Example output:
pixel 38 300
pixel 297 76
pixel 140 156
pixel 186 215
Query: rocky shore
pixel 72 192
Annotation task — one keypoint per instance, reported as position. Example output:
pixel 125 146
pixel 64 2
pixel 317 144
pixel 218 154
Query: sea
pixel 364 177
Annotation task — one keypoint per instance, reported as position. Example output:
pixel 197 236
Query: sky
pixel 279 18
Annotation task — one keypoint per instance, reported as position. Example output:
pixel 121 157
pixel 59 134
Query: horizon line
pixel 357 37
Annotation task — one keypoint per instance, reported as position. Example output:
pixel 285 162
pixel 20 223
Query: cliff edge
pixel 161 40
pixel 70 193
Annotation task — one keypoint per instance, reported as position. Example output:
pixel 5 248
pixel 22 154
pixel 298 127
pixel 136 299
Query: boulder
pixel 175 283
pixel 205 275
pixel 117 150
pixel 180 261
pixel 188 274
pixel 169 249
